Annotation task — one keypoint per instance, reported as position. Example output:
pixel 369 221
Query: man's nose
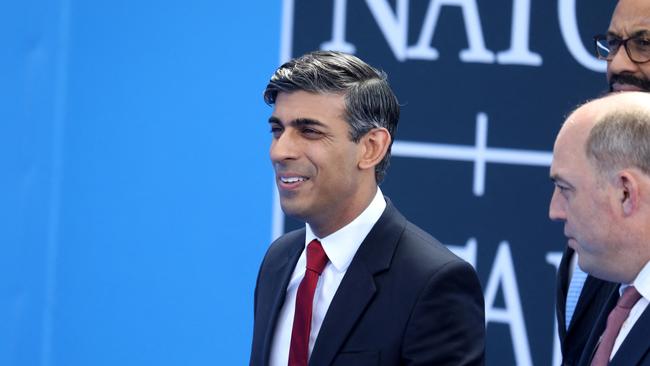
pixel 621 63
pixel 556 210
pixel 284 147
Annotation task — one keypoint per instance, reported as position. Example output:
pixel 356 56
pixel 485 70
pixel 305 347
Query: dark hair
pixel 369 100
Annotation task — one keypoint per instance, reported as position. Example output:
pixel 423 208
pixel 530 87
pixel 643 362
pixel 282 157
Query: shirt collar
pixel 342 245
pixel 641 282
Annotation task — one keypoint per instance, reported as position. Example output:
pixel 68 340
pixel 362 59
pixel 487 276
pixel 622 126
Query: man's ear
pixel 627 188
pixel 374 146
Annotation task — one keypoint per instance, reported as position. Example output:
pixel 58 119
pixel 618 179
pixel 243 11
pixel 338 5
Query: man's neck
pixel 332 225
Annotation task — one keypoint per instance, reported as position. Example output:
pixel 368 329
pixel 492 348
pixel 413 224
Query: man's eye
pixel 563 189
pixel 311 132
pixel 276 130
pixel 613 43
pixel 642 42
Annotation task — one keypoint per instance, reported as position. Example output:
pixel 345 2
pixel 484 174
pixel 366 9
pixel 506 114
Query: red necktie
pixel 614 323
pixel 316 261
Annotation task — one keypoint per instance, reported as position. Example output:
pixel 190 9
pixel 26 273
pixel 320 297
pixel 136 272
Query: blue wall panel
pixel 28 135
pixel 136 189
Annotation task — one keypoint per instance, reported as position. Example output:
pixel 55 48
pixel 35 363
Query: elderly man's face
pixel 581 200
pixel 631 18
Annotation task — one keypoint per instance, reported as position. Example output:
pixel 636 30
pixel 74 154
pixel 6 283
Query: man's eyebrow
pixel 556 178
pixel 299 122
pixel 639 33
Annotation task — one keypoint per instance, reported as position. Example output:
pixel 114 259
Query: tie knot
pixel 316 257
pixel 629 298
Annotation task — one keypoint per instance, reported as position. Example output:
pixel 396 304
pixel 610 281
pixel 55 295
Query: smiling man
pixel 359 284
pixel 601 170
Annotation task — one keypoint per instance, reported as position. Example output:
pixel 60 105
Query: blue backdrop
pixel 135 189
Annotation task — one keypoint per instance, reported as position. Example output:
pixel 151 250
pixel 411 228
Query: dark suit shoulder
pixel 423 255
pixel 285 245
pixel 396 243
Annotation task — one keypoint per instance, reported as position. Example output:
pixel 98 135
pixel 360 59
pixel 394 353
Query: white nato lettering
pixel 338 41
pixel 571 35
pixel 554 258
pixel 394 27
pixel 519 52
pixel 503 275
pixel 476 51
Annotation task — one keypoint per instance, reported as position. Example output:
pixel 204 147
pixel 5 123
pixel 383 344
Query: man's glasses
pixel 637 48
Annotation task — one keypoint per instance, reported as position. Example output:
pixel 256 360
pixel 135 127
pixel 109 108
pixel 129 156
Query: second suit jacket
pixel 404 300
pixel 593 300
pixel 635 349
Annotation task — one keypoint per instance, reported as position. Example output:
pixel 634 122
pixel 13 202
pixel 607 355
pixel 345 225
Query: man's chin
pixel 293 209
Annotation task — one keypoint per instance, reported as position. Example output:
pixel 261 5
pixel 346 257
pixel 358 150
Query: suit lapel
pixel 281 270
pixel 589 291
pixel 636 344
pixel 562 286
pixel 352 297
pixel 357 288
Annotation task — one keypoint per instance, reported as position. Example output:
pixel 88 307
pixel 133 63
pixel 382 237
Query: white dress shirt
pixel 340 247
pixel 642 284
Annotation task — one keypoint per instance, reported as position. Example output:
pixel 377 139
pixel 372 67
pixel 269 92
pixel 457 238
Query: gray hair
pixel 369 100
pixel 621 139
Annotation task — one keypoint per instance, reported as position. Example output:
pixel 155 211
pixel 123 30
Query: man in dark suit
pixel 601 170
pixel 624 73
pixel 593 298
pixel 359 285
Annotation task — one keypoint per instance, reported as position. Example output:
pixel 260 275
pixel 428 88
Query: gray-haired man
pixel 601 170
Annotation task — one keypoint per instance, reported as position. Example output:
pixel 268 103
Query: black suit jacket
pixel 635 349
pixel 593 300
pixel 404 300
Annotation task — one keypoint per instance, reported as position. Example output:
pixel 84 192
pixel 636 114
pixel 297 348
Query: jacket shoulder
pixel 285 245
pixel 428 249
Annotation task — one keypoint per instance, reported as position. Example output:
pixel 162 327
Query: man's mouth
pixel 616 87
pixel 627 82
pixel 292 180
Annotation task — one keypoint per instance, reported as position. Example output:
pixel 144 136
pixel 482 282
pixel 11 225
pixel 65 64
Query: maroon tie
pixel 614 322
pixel 316 261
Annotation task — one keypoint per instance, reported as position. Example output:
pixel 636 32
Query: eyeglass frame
pixel 623 42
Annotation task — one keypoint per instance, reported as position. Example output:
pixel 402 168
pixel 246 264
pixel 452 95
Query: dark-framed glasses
pixel 637 47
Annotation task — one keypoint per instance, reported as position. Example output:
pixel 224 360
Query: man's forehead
pixel 303 106
pixel 573 135
pixel 630 17
pixel 569 155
